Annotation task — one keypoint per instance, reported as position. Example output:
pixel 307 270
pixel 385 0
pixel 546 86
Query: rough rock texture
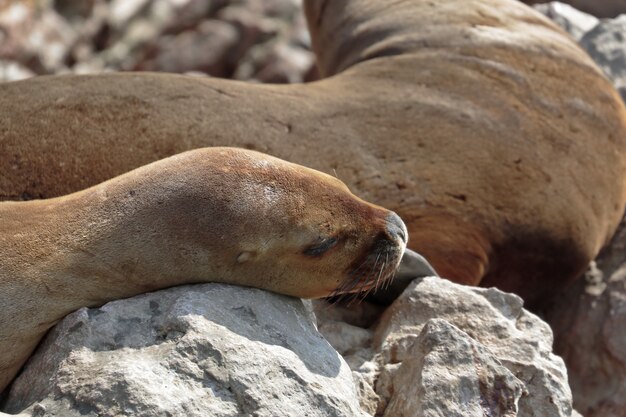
pixel 600 8
pixel 589 318
pixel 441 350
pixel 606 45
pixel 589 321
pixel 206 350
pixel 573 21
pixel 447 371
pixel 447 350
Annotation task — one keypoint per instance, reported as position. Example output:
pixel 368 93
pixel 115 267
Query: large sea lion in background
pixel 494 136
pixel 208 215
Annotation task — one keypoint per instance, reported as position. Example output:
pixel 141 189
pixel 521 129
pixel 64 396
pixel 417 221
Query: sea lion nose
pixel 396 227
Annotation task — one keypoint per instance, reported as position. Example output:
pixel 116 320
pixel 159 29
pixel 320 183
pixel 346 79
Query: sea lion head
pixel 247 218
pixel 302 232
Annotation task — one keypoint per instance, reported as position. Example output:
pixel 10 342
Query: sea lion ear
pixel 412 266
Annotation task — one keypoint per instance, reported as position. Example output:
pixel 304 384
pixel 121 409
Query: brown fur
pixel 483 125
pixel 216 214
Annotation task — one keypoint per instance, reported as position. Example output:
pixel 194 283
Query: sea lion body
pixel 482 124
pixel 209 215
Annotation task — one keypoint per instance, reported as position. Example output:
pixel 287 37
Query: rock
pixel 73 9
pixel 207 49
pixel 199 350
pixel 573 21
pixel 13 71
pixel 121 12
pixel 187 14
pixel 589 321
pixel 345 338
pixel 606 45
pixel 253 28
pixel 39 39
pixel 284 9
pixel 279 64
pixel 255 40
pixel 360 314
pixel 599 8
pixel 447 373
pixel 443 349
pixel 519 340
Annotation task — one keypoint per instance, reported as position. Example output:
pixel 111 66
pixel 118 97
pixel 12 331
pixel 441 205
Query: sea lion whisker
pixel 389 275
pixel 392 274
pixel 360 294
pixel 353 279
pixel 352 292
pixel 382 276
pixel 382 268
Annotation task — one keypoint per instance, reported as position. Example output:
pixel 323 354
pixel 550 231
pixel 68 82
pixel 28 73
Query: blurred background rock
pixel 599 8
pixel 259 40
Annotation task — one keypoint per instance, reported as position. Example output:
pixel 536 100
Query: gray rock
pixel 74 9
pixel 279 63
pixel 573 21
pixel 207 49
pixel 589 321
pixel 599 8
pixel 496 328
pixel 606 45
pixel 123 11
pixel 200 350
pixel 13 71
pixel 443 349
pixel 448 374
pixel 39 39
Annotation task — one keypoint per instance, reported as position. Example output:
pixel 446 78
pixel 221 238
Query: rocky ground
pixel 259 40
pixel 483 355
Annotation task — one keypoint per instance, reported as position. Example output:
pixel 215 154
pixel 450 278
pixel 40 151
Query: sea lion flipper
pixel 413 265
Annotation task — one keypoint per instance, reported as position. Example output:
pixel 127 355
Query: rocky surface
pixel 260 40
pixel 573 21
pixel 607 46
pixel 203 350
pixel 589 320
pixel 599 8
pixel 447 350
pixel 440 350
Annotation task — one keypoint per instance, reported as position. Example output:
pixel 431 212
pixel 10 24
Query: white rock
pixel 205 350
pixel 13 71
pixel 495 320
pixel 572 20
pixel 607 46
pixel 449 374
pixel 122 11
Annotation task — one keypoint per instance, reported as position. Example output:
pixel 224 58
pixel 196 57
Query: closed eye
pixel 320 248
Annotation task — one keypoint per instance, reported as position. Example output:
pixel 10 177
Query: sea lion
pixel 217 214
pixel 495 137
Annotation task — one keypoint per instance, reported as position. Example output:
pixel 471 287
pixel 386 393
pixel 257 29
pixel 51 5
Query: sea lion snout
pixel 391 243
pixel 396 228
